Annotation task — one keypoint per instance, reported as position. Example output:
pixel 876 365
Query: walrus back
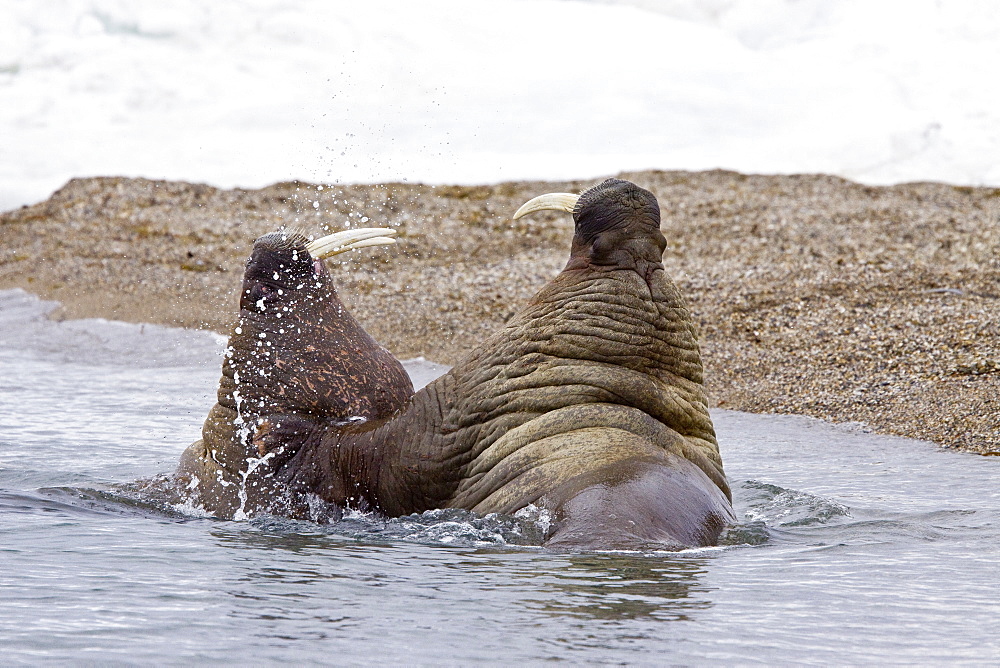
pixel 594 375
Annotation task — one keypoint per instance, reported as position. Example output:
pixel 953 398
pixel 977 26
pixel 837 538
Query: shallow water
pixel 853 548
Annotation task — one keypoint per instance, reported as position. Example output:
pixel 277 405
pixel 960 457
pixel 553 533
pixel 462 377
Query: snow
pixel 468 91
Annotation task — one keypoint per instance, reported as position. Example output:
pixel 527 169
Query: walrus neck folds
pixel 610 330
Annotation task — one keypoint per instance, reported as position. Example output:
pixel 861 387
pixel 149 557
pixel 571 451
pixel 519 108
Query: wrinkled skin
pixel 589 403
pixel 295 351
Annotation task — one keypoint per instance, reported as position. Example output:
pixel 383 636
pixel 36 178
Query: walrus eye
pixel 260 291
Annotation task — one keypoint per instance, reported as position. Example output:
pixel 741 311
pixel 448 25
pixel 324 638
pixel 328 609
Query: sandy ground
pixel 814 295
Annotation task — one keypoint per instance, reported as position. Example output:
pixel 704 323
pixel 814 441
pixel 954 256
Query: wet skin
pixel 297 351
pixel 589 404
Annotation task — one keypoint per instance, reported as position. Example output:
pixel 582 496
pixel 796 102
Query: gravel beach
pixel 814 295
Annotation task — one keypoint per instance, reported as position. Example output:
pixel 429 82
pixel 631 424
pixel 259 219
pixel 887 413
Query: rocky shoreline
pixel 814 295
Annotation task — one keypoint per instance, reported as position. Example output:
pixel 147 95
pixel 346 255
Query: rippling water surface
pixel 853 548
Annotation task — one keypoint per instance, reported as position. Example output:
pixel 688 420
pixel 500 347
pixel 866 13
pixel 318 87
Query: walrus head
pixel 280 269
pixel 287 266
pixel 617 226
pixel 296 350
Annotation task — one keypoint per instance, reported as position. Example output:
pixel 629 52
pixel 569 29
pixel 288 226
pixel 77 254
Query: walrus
pixel 296 349
pixel 588 404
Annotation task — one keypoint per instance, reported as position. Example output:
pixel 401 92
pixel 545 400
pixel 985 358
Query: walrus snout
pixel 279 264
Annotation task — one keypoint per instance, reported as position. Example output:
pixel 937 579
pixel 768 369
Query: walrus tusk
pixel 341 242
pixel 552 201
pixel 365 243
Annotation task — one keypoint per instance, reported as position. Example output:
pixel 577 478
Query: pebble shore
pixel 814 295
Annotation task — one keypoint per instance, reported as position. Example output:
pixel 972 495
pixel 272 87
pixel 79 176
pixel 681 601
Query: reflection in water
pixel 285 574
pixel 267 533
pixel 294 571
pixel 611 587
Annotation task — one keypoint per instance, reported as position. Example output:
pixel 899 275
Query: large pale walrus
pixel 295 350
pixel 589 404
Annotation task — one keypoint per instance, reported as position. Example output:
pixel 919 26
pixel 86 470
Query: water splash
pixel 253 463
pixel 244 429
pixel 777 506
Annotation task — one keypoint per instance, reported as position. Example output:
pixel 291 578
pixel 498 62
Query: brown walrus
pixel 589 404
pixel 295 350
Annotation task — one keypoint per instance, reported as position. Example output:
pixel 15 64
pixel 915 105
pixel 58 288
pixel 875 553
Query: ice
pixel 451 91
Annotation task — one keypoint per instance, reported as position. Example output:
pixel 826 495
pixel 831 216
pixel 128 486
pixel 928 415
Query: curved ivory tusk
pixel 341 242
pixel 552 201
pixel 365 243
